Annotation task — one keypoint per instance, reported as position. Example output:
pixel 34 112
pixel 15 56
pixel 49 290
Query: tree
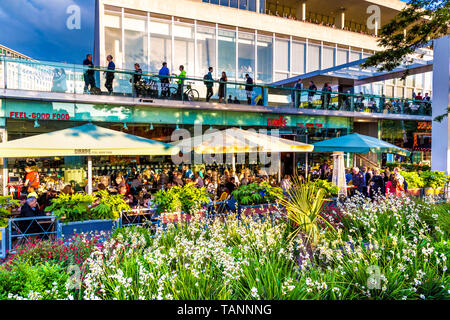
pixel 412 28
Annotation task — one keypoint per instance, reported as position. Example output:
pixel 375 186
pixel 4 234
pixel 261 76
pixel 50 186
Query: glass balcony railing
pixel 77 79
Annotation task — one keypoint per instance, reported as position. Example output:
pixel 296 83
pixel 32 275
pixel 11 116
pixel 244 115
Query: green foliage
pixel 407 166
pixel 434 179
pixel 254 193
pixel 331 190
pixel 304 204
pixel 81 207
pixel 413 179
pixel 187 199
pixel 6 204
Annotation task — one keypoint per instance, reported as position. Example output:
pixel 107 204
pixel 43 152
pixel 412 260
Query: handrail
pixel 175 77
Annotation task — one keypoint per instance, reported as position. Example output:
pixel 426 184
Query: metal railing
pixel 78 79
pixel 23 230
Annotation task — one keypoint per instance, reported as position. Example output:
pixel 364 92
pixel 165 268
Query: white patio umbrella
pixel 86 140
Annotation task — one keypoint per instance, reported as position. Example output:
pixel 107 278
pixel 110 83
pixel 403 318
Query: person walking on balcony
pixel 223 87
pixel 296 93
pixel 208 81
pixel 109 74
pixel 164 78
pixel 249 88
pixel 89 79
pixel 137 76
pixel 181 78
pixel 311 92
pixel 326 96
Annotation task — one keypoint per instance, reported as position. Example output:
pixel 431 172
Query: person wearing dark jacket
pixel 110 74
pixel 209 84
pixel 376 185
pixel 136 78
pixel 249 88
pixel 30 209
pixel 89 79
pixel 358 180
pixel 311 92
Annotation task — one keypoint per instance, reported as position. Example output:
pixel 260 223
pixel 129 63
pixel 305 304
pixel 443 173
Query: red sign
pixel 277 122
pixel 39 115
pixel 424 125
pixel 309 125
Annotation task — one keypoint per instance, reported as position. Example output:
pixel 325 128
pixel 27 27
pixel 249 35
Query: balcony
pixel 46 81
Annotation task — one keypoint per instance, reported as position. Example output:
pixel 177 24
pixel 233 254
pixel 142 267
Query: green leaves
pixel 6 204
pixel 255 193
pixel 81 207
pixel 187 199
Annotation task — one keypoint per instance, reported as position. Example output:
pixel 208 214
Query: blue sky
pixel 38 29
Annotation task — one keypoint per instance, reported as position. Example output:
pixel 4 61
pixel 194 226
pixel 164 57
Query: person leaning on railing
pixel 164 78
pixel 137 76
pixel 181 78
pixel 89 79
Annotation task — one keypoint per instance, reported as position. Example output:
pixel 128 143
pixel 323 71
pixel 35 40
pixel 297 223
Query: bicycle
pixel 190 94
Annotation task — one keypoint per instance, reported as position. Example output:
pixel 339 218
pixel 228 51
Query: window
pixel 184 47
pixel 342 56
pixel 136 49
pixel 265 58
pixel 160 45
pixel 246 54
pixel 313 58
pixel 328 57
pixel 206 45
pixel 243 4
pixel 354 56
pixel 227 52
pixel 113 38
pixel 298 57
pixel 281 54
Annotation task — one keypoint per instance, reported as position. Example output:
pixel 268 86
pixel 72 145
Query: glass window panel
pixel 227 52
pixel 281 54
pixel 298 57
pixel 246 55
pixel 419 80
pixel 262 6
pixel 265 58
pixel 243 4
pixel 328 57
pixel 234 3
pixel 113 40
pixel 184 47
pixel 214 1
pixel 399 92
pixel 280 76
pixel 112 20
pixel 428 78
pixel 136 49
pixel 389 91
pixel 355 56
pixel 160 45
pixel 206 45
pixel 225 3
pixel 313 58
pixel 342 56
pixel 252 5
pixel 410 81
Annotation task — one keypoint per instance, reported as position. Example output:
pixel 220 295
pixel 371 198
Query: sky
pixel 38 28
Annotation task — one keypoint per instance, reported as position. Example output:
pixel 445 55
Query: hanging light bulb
pixel 151 126
pixel 36 124
pixel 125 126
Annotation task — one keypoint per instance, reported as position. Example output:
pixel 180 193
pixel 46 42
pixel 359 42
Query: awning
pixel 85 140
pixel 358 143
pixel 236 140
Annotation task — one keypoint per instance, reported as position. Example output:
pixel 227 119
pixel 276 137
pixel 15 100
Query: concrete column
pixel 440 146
pixel 342 18
pixel 301 11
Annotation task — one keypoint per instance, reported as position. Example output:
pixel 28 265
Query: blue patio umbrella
pixel 358 143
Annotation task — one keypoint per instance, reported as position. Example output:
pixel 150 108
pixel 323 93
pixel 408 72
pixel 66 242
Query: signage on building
pixel 277 122
pixel 424 125
pixel 309 125
pixel 38 115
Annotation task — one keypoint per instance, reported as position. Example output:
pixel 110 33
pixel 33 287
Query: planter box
pixel 259 209
pixel 67 230
pixel 3 242
pixel 416 192
pixel 180 217
pixel 431 191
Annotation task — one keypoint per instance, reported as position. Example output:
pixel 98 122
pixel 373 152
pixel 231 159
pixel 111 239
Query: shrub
pixel 176 199
pixel 257 193
pixel 6 204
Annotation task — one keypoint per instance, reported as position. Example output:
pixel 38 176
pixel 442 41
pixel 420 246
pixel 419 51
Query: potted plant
pixel 257 198
pixel 6 205
pixel 181 203
pixel 330 190
pixel 80 213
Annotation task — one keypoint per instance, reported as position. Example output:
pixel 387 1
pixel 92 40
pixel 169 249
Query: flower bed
pixel 89 227
pixel 259 209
